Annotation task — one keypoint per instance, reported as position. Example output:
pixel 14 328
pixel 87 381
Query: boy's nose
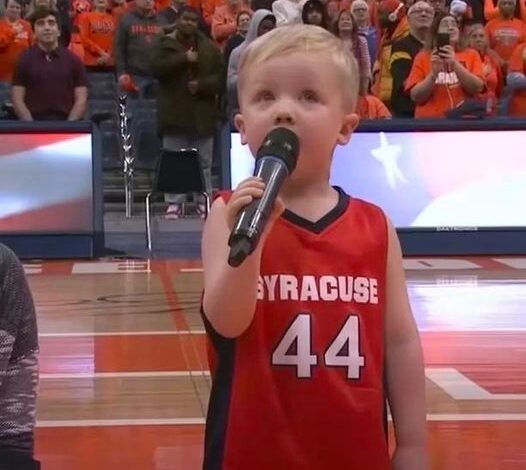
pixel 283 117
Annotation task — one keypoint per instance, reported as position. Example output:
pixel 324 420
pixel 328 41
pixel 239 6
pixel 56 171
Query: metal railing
pixel 127 154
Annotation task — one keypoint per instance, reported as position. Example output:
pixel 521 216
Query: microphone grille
pixel 282 143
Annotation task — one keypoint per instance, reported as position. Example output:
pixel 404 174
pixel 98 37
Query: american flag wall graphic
pixel 46 182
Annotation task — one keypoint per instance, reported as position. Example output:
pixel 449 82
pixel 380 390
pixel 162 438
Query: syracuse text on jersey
pixel 325 288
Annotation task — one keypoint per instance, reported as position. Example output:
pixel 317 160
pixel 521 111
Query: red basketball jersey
pixel 302 388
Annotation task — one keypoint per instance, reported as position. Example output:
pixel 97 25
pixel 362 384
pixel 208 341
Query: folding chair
pixel 178 172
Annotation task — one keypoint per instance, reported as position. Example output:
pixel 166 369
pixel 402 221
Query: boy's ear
pixel 240 126
pixel 350 122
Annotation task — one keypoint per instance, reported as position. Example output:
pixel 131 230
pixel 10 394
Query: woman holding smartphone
pixel 444 74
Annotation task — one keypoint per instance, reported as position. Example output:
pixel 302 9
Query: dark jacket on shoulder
pixel 178 109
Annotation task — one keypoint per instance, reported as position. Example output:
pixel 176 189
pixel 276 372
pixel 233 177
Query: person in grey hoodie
pixel 133 42
pixel 262 22
pixel 18 366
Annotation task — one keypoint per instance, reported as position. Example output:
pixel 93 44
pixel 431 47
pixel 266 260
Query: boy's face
pixel 46 30
pixel 300 91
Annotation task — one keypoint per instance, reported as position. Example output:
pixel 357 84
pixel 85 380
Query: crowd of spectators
pixel 417 59
pixel 435 58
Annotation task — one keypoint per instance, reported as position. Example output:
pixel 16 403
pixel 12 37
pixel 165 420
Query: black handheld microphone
pixel 275 161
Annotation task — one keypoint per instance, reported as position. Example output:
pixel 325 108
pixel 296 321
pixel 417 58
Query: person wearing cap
pixel 403 52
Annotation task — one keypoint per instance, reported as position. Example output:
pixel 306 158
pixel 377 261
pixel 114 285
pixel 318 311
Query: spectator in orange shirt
pixel 442 78
pixel 516 80
pixel 207 8
pixel 478 40
pixel 224 22
pixel 371 107
pixel 97 29
pixel 76 45
pixel 491 10
pixel 15 36
pixel 78 7
pixel 505 32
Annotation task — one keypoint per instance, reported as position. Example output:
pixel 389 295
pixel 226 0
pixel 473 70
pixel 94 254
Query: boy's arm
pixel 229 300
pixel 404 367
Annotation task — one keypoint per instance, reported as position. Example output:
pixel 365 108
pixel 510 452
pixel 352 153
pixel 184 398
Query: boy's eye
pixel 264 95
pixel 309 95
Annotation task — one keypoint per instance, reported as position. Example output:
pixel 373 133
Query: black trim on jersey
pixel 220 397
pixel 321 224
pixel 386 413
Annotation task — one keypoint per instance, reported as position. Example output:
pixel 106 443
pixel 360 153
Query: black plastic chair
pixel 178 172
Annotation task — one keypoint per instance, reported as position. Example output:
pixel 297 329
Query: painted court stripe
pixel 460 387
pixel 474 329
pixel 121 333
pixel 125 375
pixel 82 423
pixel 201 421
pixel 437 329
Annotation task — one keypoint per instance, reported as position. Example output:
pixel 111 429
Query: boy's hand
pixel 248 190
pixel 410 458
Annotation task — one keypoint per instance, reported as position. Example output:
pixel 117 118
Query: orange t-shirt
pixel 448 92
pixel 505 35
pixel 97 31
pixel 517 106
pixel 76 46
pixel 207 8
pixel 371 107
pixel 78 8
pixel 224 22
pixel 162 4
pixel 14 39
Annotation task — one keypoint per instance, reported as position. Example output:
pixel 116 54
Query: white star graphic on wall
pixel 388 154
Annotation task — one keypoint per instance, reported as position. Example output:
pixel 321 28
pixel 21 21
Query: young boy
pixel 301 331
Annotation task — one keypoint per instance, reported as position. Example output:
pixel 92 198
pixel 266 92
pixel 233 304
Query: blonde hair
pixel 304 38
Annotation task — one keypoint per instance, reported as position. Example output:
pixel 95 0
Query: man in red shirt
pixel 50 82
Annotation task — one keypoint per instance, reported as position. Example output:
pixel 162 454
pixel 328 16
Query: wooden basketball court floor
pixel 124 381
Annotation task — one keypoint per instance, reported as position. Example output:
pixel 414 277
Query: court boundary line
pixel 121 333
pixel 433 417
pixel 76 334
pixel 124 375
